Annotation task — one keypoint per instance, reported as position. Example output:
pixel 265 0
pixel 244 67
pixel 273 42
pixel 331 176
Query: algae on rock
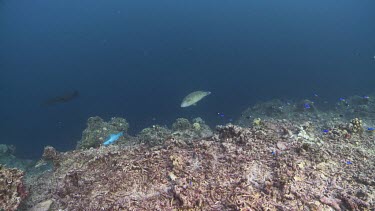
pixel 155 135
pixel 181 124
pixel 98 130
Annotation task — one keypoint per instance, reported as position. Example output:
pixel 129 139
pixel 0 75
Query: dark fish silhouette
pixel 61 99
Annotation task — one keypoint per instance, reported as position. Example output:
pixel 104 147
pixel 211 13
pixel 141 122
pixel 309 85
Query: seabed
pixel 278 155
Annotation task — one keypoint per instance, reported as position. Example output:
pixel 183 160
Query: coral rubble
pixel 280 165
pixel 12 189
pixel 278 156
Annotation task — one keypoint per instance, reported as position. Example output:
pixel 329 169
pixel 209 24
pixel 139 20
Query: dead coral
pixel 51 154
pixel 238 168
pixel 98 130
pixel 183 129
pixel 155 135
pixel 181 124
pixel 12 189
pixel 40 186
pixel 42 206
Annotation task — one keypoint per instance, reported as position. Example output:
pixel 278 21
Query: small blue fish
pixel 112 138
pixel 306 106
pixel 342 99
pixel 366 97
pixel 348 162
pixel 315 95
pixel 370 129
pixel 220 114
pixel 325 131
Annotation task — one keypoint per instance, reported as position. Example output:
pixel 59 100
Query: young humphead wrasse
pixel 193 98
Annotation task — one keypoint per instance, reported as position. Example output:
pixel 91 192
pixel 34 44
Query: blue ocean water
pixel 138 59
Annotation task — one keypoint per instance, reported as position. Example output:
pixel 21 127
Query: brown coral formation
pixel 51 154
pixel 356 126
pixel 98 130
pixel 12 189
pixel 258 168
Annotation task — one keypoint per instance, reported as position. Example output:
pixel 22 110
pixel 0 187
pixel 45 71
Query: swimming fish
pixel 61 99
pixel 112 138
pixel 220 114
pixel 193 98
pixel 306 106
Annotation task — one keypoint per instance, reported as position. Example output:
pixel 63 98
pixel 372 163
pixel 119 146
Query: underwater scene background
pixel 187 105
pixel 138 59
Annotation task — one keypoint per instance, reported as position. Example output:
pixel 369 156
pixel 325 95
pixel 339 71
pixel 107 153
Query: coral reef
pixel 51 154
pixel 98 130
pixel 346 131
pixel 273 108
pixel 12 189
pixel 8 159
pixel 197 126
pixel 356 106
pixel 183 129
pixel 155 135
pixel 301 111
pixel 40 183
pixel 6 150
pixel 42 206
pixel 356 126
pixel 279 156
pixel 181 124
pixel 275 166
pixel 201 128
pixel 257 122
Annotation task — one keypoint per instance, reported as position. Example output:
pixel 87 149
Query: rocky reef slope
pixel 279 165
